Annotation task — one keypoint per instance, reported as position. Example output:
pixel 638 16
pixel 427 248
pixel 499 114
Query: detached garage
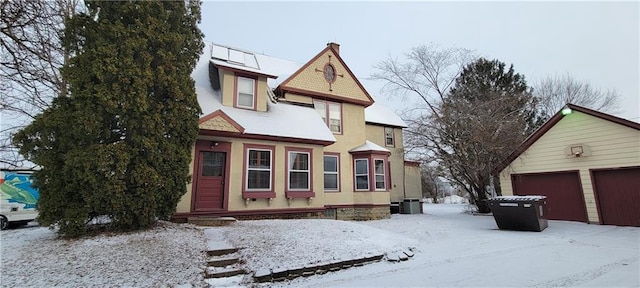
pixel 586 162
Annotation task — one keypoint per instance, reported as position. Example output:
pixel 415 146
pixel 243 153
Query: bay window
pixel 362 174
pixel 380 177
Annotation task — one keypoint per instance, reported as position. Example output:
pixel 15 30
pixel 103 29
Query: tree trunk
pixel 483 203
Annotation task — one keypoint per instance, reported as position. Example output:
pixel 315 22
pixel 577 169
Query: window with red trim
pixel 388 137
pixel 259 169
pixel 362 174
pixel 331 114
pixel 331 173
pixel 246 96
pixel 299 171
pixel 378 170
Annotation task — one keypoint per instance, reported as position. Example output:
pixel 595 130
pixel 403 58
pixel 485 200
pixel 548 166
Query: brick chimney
pixel 335 47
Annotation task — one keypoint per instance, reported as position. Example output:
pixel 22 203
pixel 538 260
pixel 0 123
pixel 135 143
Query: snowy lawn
pixel 284 244
pixel 451 249
pixel 169 254
pixel 462 250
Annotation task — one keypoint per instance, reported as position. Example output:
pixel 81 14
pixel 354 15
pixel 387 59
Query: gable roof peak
pixel 362 98
pixel 553 121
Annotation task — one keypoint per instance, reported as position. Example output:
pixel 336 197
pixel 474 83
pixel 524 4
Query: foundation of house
pixel 337 213
pixel 361 214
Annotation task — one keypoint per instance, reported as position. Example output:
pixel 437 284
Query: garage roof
pixel 552 122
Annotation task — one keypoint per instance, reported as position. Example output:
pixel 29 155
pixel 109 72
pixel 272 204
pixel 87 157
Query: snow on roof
pixel 281 120
pixel 253 62
pixel 240 67
pixel 369 146
pixel 278 67
pixel 380 114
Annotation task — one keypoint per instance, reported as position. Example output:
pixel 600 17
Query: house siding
pixel 228 90
pixel 225 126
pixel 236 202
pixel 353 135
pixel 311 80
pixel 375 134
pixel 218 123
pixel 298 98
pixel 413 184
pixel 612 145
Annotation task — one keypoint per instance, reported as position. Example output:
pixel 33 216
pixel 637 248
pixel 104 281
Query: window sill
pixel 300 194
pixel 331 191
pixel 258 195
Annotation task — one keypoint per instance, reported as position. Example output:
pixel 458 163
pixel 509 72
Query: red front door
pixel 210 181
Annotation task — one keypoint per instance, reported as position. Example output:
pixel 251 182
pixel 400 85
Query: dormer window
pixel 246 92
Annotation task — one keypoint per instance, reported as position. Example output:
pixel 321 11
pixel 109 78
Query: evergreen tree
pixel 484 117
pixel 120 143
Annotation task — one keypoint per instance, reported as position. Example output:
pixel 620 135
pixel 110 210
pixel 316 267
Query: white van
pixel 18 198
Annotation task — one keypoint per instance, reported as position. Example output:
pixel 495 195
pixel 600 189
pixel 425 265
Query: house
pixel 282 140
pixel 586 162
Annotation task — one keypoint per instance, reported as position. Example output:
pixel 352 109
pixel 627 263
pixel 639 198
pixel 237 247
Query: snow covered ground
pixel 451 249
pixel 462 250
pixel 288 244
pixel 169 254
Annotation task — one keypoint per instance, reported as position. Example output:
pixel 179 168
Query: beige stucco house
pixel 283 140
pixel 586 162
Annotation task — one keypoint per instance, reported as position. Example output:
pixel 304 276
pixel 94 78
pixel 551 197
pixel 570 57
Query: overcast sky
pixel 596 42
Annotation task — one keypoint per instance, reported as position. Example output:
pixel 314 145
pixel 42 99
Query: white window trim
pixel 393 138
pixel 327 116
pixel 337 173
pixel 308 171
pixel 384 175
pixel 355 175
pixel 246 184
pixel 253 88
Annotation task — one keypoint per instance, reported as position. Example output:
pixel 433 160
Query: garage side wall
pixel 608 145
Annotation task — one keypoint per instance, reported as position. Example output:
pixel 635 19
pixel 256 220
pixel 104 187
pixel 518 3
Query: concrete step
pixel 211 221
pixel 222 251
pixel 216 272
pixel 223 261
pixel 233 281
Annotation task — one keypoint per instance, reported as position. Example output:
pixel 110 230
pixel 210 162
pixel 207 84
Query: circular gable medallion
pixel 329 73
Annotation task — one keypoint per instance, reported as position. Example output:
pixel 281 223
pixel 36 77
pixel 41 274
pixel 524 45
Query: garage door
pixel 565 200
pixel 618 194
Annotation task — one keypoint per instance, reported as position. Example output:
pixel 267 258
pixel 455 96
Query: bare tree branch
pixel 31 55
pixel 556 91
pixel 427 72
